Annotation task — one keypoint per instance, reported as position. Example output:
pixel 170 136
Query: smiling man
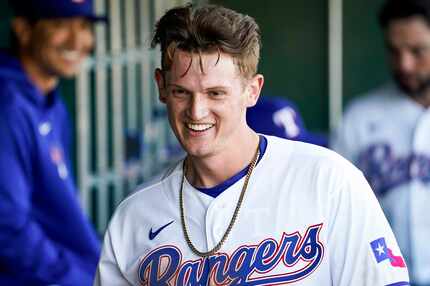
pixel 45 237
pixel 241 208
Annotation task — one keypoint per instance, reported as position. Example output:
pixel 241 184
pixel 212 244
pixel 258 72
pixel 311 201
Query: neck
pixel 44 81
pixel 213 170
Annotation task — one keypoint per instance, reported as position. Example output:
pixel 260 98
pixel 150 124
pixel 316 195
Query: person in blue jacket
pixel 45 238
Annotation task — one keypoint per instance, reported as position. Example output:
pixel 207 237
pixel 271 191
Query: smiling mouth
pixel 201 127
pixel 71 55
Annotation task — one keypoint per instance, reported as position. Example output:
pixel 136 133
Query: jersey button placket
pixel 216 220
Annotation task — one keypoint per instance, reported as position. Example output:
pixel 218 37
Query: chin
pixel 197 152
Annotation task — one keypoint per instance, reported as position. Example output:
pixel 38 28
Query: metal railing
pixel 123 137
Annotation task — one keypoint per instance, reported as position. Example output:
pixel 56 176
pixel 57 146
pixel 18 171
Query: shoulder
pixel 304 155
pixel 12 111
pixel 321 168
pixel 12 102
pixel 151 197
pixel 292 149
pixel 374 101
pixel 7 95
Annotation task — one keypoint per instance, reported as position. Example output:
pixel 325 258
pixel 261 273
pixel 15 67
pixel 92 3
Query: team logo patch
pixel 382 253
pixel 56 155
pixel 286 118
pixel 290 259
pixel 57 158
pixel 45 128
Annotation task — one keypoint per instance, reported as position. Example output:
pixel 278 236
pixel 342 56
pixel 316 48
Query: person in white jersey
pixel 241 208
pixel 386 133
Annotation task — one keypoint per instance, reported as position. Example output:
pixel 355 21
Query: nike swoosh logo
pixel 152 235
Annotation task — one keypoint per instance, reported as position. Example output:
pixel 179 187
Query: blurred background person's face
pixel 55 47
pixel 408 43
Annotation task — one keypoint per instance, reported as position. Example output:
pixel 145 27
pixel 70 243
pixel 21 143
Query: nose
pixel 406 62
pixel 198 107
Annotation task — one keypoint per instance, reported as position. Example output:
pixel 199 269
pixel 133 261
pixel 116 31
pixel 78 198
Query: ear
pixel 254 88
pixel 22 30
pixel 159 78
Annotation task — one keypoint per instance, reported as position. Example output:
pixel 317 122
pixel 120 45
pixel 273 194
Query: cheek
pixel 39 41
pixel 87 40
pixel 175 111
pixel 230 111
pixel 56 39
pixel 425 65
pixel 41 49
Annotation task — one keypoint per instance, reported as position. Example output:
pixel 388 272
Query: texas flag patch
pixel 382 253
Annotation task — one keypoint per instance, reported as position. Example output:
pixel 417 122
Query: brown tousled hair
pixel 207 29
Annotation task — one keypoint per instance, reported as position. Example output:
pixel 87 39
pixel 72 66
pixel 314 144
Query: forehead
pixel 203 70
pixel 408 31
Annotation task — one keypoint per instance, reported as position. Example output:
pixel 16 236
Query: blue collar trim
pixel 218 189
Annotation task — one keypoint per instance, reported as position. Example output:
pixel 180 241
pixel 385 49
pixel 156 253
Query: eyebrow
pixel 218 87
pixel 177 86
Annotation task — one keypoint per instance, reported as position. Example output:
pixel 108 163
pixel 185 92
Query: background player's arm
pixel 356 221
pixel 25 248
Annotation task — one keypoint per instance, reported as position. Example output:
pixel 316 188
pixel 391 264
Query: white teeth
pixel 199 127
pixel 71 55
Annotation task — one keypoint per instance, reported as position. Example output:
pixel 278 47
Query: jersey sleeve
pixel 26 251
pixel 362 248
pixel 109 271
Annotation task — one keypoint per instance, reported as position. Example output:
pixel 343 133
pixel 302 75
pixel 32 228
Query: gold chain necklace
pixel 233 219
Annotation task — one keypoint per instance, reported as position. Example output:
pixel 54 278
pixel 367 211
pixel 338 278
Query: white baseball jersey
pixel 308 218
pixel 387 135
